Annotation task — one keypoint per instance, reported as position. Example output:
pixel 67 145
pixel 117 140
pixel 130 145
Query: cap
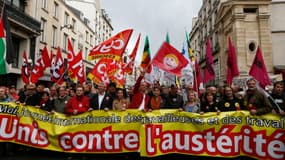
pixel 12 86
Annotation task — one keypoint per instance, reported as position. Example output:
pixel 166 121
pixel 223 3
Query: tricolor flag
pixel 191 55
pixel 7 52
pixel 145 63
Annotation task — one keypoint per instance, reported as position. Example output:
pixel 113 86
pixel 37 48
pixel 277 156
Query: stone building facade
pixel 246 22
pixel 277 22
pixel 24 31
pixel 48 23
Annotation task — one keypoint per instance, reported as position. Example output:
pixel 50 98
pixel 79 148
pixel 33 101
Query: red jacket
pixel 137 96
pixel 80 104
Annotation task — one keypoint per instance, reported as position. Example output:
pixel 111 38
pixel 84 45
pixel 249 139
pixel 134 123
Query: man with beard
pixel 61 101
pixel 254 101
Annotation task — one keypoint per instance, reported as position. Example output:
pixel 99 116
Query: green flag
pixel 167 38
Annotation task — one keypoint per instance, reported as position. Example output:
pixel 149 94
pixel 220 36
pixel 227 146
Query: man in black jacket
pixel 101 100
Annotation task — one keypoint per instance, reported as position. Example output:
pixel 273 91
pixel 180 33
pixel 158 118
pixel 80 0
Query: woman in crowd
pixel 156 101
pixel 45 103
pixel 120 102
pixel 193 104
pixel 229 102
pixel 210 104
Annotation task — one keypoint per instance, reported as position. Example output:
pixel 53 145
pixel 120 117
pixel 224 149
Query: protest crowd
pixel 76 99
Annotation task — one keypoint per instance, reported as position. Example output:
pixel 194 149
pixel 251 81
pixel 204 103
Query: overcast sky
pixel 153 18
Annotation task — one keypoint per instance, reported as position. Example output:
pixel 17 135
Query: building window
pixel 44 4
pixel 86 37
pixel 73 24
pixel 43 28
pixel 65 39
pixel 85 53
pixel 17 3
pixel 217 70
pixel 55 9
pixel 91 40
pixel 73 42
pixel 250 10
pixel 66 18
pixel 16 45
pixel 54 35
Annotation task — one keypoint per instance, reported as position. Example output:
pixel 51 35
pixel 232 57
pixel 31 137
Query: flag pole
pixel 2 10
pixel 61 76
pixel 276 106
pixel 195 77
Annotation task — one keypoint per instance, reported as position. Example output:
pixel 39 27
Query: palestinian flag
pixel 6 49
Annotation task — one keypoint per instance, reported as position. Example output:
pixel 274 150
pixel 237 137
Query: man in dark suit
pixel 101 100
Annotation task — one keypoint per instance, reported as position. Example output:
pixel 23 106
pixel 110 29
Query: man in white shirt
pixel 101 100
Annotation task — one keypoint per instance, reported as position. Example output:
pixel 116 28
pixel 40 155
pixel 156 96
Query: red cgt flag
pixel 78 67
pixel 99 73
pixel 41 64
pixel 169 59
pixel 70 61
pixel 57 68
pixel 231 63
pixel 112 48
pixel 25 69
pixel 209 72
pixel 258 69
pixel 128 68
pixel 119 76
